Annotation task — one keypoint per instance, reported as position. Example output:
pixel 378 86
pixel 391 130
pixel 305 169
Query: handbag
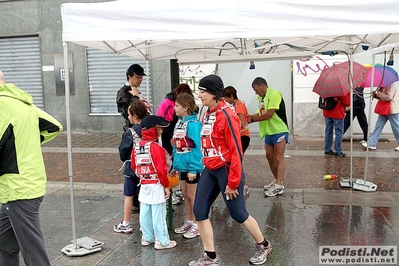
pixel 173 180
pixel 383 108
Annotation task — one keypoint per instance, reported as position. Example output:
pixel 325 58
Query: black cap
pixel 212 84
pixel 136 69
pixel 151 121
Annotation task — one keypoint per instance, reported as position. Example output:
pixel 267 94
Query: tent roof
pixel 228 29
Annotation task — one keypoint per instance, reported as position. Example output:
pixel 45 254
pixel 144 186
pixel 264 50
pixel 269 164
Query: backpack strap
pixel 232 132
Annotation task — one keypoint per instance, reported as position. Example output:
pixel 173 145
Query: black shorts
pixel 183 177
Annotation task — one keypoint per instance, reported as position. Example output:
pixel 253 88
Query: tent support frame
pixel 85 245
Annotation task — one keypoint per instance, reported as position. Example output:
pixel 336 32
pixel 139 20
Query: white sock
pixel 124 223
pixel 190 222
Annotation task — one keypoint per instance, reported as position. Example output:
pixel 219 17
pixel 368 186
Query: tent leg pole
pixel 363 185
pixel 85 245
pixel 69 140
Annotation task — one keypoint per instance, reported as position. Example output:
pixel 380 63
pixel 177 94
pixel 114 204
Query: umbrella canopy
pixel 336 80
pixel 383 76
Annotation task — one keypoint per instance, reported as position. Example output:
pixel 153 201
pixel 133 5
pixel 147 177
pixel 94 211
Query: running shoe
pixel 193 232
pixel 275 190
pixel 183 229
pixel 246 191
pixel 261 253
pixel 175 199
pixel 205 261
pixel 266 187
pixel 120 228
pixel 370 147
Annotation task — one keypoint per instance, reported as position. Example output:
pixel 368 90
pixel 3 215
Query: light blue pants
pixel 379 126
pixel 153 223
pixel 338 125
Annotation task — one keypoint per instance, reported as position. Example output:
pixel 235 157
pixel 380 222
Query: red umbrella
pixel 335 80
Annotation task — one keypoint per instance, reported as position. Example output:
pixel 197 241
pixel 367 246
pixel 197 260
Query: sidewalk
pixel 96 160
pixel 311 213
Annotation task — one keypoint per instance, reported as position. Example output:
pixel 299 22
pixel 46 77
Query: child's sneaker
pixel 175 199
pixel 183 229
pixel 193 232
pixel 144 242
pixel 246 191
pixel 120 228
pixel 261 253
pixel 275 190
pixel 205 261
pixel 158 245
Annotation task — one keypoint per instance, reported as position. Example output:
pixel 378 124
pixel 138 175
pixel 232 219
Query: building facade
pixel 31 57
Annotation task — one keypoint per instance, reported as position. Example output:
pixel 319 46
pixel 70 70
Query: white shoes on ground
pixel 266 187
pixel 370 147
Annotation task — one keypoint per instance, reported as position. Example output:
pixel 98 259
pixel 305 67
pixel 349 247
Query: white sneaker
pixel 275 190
pixel 246 191
pixel 193 232
pixel 267 187
pixel 397 148
pixel 158 245
pixel 363 142
pixel 175 199
pixel 370 147
pixel 183 229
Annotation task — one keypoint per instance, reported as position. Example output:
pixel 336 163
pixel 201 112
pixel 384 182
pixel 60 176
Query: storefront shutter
pixel 21 65
pixel 107 74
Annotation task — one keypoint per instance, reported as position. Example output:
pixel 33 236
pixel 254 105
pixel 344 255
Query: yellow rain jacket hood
pixel 23 128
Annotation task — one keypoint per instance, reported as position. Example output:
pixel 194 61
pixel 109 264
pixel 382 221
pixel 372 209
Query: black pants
pixel 358 111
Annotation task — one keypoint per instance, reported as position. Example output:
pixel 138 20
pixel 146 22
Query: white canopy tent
pixel 227 31
pixel 256 29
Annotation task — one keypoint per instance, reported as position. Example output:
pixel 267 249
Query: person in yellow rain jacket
pixel 23 128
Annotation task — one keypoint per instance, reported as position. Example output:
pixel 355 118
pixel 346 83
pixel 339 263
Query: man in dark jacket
pixel 130 92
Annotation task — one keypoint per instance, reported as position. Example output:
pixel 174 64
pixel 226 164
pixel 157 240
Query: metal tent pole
pixel 85 245
pixel 362 184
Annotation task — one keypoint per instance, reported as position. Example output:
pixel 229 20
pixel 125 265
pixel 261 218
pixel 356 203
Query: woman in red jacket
pixel 223 173
pixel 334 120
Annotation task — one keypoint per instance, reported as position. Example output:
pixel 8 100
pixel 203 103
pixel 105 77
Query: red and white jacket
pixel 158 156
pixel 218 144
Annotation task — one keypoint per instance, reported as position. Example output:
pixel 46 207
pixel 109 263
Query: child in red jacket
pixel 150 165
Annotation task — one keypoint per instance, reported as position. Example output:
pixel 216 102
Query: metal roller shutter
pixel 21 64
pixel 106 76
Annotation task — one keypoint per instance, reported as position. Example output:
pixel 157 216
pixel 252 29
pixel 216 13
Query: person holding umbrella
pixel 386 94
pixel 337 82
pixel 334 120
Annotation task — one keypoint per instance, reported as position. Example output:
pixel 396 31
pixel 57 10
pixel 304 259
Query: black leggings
pixel 245 143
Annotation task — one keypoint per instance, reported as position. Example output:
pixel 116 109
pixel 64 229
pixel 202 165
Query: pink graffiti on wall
pixel 303 67
pixel 197 71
